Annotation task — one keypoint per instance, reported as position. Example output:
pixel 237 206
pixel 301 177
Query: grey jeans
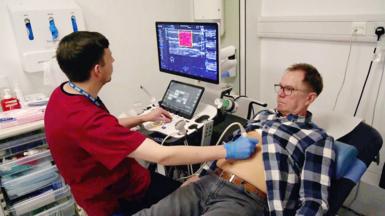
pixel 208 196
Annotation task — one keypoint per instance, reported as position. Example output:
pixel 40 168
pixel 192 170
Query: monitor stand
pixel 204 112
pixel 213 92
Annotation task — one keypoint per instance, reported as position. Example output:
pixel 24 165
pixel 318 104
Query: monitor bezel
pixel 216 25
pixel 196 105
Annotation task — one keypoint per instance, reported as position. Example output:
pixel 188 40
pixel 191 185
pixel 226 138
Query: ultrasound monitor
pixel 189 50
pixel 181 98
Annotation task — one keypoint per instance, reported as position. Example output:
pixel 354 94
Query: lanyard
pixel 84 93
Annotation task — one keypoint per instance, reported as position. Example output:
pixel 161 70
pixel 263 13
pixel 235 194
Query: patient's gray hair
pixel 312 77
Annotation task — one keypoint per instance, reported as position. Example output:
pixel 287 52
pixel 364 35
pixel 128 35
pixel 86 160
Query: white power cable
pixel 346 70
pixel 168 136
pixel 159 167
pixel 355 195
pixel 373 117
pixel 189 166
pixel 378 92
pixel 243 132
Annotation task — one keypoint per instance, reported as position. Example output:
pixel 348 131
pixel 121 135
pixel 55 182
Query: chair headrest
pixel 345 157
pixel 335 124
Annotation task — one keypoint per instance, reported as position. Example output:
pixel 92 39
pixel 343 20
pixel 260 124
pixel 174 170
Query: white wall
pixel 272 55
pixel 231 36
pixel 130 28
pixel 9 59
pixel 316 7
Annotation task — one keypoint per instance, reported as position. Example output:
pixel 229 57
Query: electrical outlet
pixel 359 28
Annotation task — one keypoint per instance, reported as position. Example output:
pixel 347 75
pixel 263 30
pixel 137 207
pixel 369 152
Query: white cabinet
pixel 29 180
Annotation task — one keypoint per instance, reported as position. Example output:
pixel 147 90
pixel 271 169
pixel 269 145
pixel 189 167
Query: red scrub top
pixel 90 149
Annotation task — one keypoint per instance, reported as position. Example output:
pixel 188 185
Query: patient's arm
pixel 316 178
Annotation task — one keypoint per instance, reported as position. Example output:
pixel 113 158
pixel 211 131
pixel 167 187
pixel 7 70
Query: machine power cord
pixel 346 70
pixel 379 32
pixel 205 164
pixel 378 92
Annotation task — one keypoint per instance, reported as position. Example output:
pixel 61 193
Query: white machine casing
pixel 210 10
pixel 169 129
pixel 207 132
pixel 228 62
pixel 228 69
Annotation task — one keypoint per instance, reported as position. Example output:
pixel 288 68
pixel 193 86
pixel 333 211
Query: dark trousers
pixel 210 196
pixel 160 187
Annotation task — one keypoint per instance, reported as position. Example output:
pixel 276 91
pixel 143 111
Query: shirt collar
pixel 296 118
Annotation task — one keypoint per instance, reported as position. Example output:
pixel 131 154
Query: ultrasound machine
pixel 191 50
pixel 188 115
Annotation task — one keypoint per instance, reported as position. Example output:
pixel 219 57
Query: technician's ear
pixel 311 98
pixel 96 71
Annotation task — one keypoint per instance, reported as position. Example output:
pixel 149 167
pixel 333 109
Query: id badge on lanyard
pixel 84 93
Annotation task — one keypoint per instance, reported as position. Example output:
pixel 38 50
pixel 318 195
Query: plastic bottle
pixel 19 96
pixel 4 83
pixel 8 102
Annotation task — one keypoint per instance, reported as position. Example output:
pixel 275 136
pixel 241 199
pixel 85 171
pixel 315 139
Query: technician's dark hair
pixel 79 52
pixel 312 77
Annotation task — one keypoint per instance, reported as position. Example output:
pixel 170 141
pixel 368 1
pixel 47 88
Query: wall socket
pixel 359 28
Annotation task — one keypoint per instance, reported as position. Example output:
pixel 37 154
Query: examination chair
pixel 354 153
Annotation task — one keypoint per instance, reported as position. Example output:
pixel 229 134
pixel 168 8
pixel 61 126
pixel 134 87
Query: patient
pixel 290 174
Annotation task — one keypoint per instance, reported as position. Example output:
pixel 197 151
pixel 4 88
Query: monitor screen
pixel 189 50
pixel 182 98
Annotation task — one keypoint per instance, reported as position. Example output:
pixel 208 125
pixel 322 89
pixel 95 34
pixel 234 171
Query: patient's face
pixel 299 99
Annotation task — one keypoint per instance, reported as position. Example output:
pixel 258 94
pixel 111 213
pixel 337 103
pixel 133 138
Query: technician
pixel 95 152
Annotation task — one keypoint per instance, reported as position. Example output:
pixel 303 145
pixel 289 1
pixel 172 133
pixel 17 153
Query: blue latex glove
pixel 241 148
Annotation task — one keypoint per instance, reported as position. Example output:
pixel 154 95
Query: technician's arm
pixel 177 155
pixel 157 114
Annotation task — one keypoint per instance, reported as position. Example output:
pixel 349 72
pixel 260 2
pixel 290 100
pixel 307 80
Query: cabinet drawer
pixel 30 182
pixel 66 208
pixel 39 201
pixel 10 147
pixel 25 165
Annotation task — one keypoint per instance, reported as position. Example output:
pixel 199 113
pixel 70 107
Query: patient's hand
pixel 190 180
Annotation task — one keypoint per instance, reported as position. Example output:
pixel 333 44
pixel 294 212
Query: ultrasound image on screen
pixel 189 49
pixel 181 99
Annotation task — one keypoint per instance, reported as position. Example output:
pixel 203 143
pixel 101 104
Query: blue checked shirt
pixel 299 163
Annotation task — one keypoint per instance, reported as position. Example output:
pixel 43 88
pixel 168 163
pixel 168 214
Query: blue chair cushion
pixel 356 171
pixel 346 155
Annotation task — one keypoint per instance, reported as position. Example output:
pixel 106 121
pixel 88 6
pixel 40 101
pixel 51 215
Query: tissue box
pixel 21 116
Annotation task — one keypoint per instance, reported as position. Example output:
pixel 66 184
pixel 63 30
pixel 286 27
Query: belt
pixel 240 182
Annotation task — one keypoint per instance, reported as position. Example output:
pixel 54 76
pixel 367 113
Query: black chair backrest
pixel 368 142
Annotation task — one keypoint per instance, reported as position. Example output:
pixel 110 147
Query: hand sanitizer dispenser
pixel 8 102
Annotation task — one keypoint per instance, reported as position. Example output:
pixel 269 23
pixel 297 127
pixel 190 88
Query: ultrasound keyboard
pixel 169 128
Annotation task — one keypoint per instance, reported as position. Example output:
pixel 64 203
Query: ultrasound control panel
pixel 190 125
